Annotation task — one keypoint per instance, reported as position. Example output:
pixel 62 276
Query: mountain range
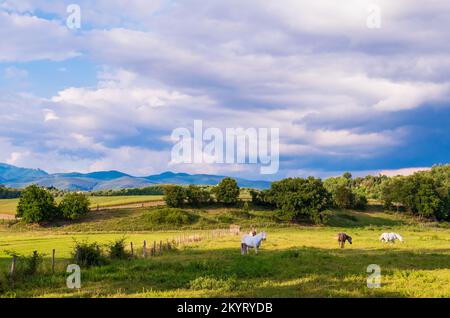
pixel 16 177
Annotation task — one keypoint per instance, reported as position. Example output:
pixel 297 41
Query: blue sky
pixel 108 95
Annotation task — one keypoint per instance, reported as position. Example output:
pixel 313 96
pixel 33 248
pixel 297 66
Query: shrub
pixel 2 283
pixel 36 205
pixel 172 216
pixel 360 202
pixel 74 205
pixel 27 265
pixel 32 263
pixel 196 196
pixel 344 194
pixel 297 198
pixel 421 194
pixel 225 219
pixel 116 250
pixel 242 213
pixel 87 254
pixel 174 196
pixel 227 191
pixel 260 198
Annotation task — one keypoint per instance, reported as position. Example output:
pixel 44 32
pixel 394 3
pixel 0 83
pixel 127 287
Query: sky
pixel 345 95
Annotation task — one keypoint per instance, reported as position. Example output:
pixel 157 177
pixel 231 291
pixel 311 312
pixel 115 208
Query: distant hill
pixel 205 179
pixel 12 173
pixel 16 177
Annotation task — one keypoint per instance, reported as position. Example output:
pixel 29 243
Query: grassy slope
pixel 8 206
pixel 294 261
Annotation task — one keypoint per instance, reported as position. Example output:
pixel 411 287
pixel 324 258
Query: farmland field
pixel 294 261
pixel 8 206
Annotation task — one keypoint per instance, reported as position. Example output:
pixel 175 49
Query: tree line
pixel 226 192
pixel 8 193
pixel 150 190
pixel 38 205
pixel 424 194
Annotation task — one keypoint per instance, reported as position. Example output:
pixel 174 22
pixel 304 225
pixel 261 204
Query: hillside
pixel 16 177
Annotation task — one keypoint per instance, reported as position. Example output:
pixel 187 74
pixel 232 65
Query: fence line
pixel 156 250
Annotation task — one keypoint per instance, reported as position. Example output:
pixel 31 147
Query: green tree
pixel 74 205
pixel 345 193
pixel 36 205
pixel 298 198
pixel 196 195
pixel 174 196
pixel 227 191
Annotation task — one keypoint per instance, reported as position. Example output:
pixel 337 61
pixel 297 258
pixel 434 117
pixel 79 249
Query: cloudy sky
pixel 345 96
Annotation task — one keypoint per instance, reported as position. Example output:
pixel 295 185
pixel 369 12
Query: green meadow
pixel 8 206
pixel 294 261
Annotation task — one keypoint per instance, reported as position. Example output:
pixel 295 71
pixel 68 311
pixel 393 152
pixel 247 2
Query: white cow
pixel 390 237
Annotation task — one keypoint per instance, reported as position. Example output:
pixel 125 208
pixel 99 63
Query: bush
pixel 223 218
pixel 174 196
pixel 116 250
pixel 36 205
pixel 88 254
pixel 242 213
pixel 344 194
pixel 27 265
pixel 32 263
pixel 196 196
pixel 171 216
pixel 227 191
pixel 360 202
pixel 421 194
pixel 74 205
pixel 297 198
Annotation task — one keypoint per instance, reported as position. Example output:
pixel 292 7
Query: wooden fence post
pixel 53 261
pixel 160 248
pixel 144 250
pixel 13 267
pixel 132 250
pixel 77 256
pixel 167 245
pixel 154 248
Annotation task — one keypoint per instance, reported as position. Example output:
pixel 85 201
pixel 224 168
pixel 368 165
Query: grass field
pixel 8 206
pixel 294 261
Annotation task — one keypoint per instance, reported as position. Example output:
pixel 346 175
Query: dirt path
pixel 130 206
pixel 7 216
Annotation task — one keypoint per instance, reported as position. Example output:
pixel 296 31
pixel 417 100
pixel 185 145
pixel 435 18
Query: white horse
pixel 252 241
pixel 390 237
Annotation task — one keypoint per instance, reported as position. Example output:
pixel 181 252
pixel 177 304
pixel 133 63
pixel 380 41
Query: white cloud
pixel 312 69
pixel 13 72
pixel 29 38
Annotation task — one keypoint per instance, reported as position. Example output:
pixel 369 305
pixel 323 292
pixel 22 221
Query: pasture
pixel 8 206
pixel 294 261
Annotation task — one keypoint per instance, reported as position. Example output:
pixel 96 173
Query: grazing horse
pixel 252 241
pixel 342 237
pixel 390 237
